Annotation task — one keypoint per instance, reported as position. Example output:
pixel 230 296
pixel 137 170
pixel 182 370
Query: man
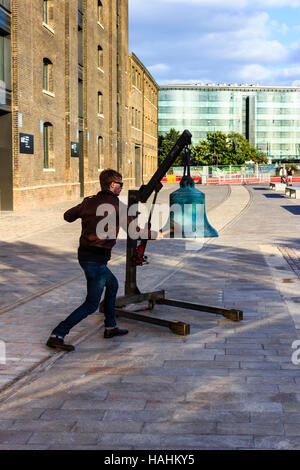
pixel 93 256
pixel 283 174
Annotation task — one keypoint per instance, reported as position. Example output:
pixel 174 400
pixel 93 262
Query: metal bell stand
pixel 132 292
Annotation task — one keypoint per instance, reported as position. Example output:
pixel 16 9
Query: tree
pixel 200 153
pixel 218 149
pixel 222 149
pixel 213 151
pixel 241 150
pixel 166 143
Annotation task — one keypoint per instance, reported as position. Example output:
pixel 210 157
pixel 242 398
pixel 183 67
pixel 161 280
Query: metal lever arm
pixel 154 184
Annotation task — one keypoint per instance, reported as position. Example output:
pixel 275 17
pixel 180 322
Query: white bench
pixel 292 192
pixel 277 186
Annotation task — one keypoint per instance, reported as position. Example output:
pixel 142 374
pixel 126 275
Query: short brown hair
pixel 107 177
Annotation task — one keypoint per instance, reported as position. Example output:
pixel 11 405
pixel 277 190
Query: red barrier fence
pixel 273 179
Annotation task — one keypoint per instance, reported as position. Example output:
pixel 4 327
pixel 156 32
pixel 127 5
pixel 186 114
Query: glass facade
pixel 269 117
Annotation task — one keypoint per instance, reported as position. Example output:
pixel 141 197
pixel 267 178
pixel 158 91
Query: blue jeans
pixel 98 276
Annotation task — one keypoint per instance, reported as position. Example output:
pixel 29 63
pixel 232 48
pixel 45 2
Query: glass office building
pixel 269 117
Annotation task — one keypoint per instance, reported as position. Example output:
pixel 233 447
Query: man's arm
pixel 73 214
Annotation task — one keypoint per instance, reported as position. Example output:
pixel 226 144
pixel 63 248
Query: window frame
pixel 100 57
pixel 46 12
pixel 100 151
pixel 48 145
pixel 2 59
pixel 100 104
pixel 47 75
pixel 48 20
pixel 100 16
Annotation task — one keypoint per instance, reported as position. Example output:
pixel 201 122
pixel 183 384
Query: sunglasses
pixel 118 182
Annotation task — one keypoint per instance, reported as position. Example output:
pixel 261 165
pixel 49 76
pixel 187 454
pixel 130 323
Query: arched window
pixel 47 75
pixel 100 57
pixel 100 12
pixel 48 145
pixel 100 103
pixel 100 153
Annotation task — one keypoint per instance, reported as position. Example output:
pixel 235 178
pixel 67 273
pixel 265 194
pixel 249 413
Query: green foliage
pixel 201 153
pixel 165 145
pixel 218 149
pixel 241 151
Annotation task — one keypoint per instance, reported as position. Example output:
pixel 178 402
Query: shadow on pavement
pixel 295 210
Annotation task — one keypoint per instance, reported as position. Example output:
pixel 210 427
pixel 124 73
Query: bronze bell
pixel 187 212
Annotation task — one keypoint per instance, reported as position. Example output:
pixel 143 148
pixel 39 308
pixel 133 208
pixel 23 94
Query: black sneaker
pixel 58 343
pixel 110 333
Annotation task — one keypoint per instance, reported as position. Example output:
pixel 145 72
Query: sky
pixel 217 41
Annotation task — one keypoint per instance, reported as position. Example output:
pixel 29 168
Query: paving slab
pixel 226 385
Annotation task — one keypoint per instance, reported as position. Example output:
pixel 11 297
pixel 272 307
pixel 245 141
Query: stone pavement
pixel 225 386
pixel 41 280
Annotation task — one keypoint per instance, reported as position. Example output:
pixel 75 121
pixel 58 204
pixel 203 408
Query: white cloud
pixel 158 68
pixel 252 72
pixel 178 40
pixel 281 28
pixel 261 74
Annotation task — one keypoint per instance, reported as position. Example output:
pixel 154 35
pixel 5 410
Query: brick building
pixel 65 111
pixel 143 98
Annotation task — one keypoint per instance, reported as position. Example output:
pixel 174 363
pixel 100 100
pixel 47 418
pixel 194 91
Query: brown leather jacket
pixel 86 211
pixel 93 246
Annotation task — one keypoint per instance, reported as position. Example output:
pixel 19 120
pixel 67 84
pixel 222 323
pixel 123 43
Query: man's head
pixel 111 180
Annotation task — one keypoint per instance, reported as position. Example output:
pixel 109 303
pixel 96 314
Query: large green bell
pixel 187 212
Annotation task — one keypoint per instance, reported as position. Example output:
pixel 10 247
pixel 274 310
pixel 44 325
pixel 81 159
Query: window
pixel 47 75
pixel 45 11
pixel 80 20
pixel 100 103
pixel 80 38
pixel 48 145
pixel 80 48
pixel 48 12
pixel 5 63
pixel 2 58
pixel 80 98
pixel 100 12
pixel 100 57
pixel 6 4
pixel 100 153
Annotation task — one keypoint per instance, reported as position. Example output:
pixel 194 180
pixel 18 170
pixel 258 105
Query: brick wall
pixel 32 42
pixel 143 118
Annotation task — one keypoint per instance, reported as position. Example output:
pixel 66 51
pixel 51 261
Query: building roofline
pixel 229 86
pixel 132 54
